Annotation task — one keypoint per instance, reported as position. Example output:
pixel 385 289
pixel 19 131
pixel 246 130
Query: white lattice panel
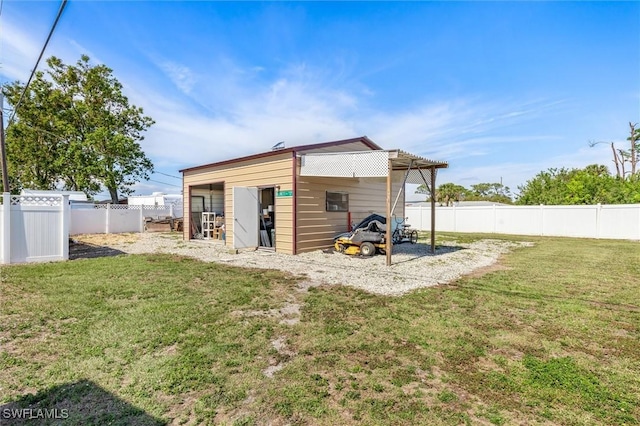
pixel 348 164
pixel 35 200
pixel 416 177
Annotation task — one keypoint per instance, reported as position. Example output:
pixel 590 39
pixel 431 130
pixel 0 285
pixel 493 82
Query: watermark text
pixel 34 413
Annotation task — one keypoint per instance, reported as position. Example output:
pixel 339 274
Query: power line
pixel 164 183
pixel 164 174
pixel 33 71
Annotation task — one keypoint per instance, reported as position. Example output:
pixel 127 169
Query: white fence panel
pixel 116 218
pixel 5 235
pixel 34 228
pixel 620 221
pixel 88 221
pixel 518 220
pixel 35 233
pixel 124 220
pixel 570 221
pixel 474 219
pixel 607 221
pixel 419 218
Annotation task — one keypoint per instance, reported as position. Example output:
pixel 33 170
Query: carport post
pixel 388 234
pixel 433 209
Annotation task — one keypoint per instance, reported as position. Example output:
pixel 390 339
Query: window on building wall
pixel 337 202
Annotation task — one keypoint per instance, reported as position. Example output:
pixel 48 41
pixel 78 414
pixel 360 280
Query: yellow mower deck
pixel 345 246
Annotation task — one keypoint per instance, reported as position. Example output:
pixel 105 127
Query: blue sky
pixel 500 90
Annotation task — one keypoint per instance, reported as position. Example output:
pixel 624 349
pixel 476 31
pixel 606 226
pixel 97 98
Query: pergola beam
pixel 376 164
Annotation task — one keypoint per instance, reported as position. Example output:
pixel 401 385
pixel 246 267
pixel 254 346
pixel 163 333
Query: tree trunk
pixel 615 160
pixel 114 195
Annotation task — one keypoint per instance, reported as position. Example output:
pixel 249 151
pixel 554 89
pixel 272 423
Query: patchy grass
pixel 552 337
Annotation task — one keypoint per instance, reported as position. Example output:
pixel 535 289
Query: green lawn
pixel 551 337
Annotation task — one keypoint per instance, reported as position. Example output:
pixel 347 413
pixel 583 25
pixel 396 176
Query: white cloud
pixel 181 76
pixel 238 111
pixel 514 174
pixel 19 51
pixel 299 109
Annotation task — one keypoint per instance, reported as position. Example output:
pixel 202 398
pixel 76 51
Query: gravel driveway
pixel 413 265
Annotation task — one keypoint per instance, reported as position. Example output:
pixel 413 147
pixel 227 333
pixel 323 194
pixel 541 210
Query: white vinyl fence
pixel 34 228
pixel 37 228
pixel 615 221
pixel 115 218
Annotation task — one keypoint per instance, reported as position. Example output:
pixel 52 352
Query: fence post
pixel 6 228
pixel 65 213
pixel 541 219
pixel 107 219
pixel 171 210
pixel 455 224
pixel 421 228
pixel 598 221
pixel 638 210
pixel 495 220
pixel 141 221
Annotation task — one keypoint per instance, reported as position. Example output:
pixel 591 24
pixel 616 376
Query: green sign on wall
pixel 288 193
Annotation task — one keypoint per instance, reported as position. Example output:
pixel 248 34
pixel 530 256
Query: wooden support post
pixel 433 209
pixel 389 218
pixel 5 228
pixel 3 152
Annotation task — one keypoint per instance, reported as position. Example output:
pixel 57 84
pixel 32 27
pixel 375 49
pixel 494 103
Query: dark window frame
pixel 335 201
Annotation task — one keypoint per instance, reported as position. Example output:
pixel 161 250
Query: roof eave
pixel 295 149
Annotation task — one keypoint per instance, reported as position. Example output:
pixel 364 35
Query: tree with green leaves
pixel 496 192
pixel 75 129
pixel 449 192
pixel 591 185
pixel 446 193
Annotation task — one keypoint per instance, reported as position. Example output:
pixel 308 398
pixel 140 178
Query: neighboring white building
pixel 158 199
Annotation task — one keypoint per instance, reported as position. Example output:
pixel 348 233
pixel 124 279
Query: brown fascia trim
pixel 368 142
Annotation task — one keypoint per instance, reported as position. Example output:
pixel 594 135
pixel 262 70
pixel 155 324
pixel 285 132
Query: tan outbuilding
pixel 297 199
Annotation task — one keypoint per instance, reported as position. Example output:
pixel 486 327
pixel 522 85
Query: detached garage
pixel 297 199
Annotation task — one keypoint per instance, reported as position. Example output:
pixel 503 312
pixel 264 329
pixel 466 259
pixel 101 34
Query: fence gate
pixel 34 228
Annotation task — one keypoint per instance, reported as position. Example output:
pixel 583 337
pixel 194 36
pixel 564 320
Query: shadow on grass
pixel 419 251
pixel 79 403
pixel 81 250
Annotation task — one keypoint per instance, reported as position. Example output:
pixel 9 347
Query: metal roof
pixel 295 149
pixel 401 160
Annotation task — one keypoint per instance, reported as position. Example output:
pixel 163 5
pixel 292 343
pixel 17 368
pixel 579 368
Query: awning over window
pixel 377 163
pixel 367 164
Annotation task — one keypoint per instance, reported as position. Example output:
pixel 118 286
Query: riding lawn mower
pixel 365 238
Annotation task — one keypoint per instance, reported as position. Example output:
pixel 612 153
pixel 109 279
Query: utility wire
pixel 33 71
pixel 165 183
pixel 164 174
